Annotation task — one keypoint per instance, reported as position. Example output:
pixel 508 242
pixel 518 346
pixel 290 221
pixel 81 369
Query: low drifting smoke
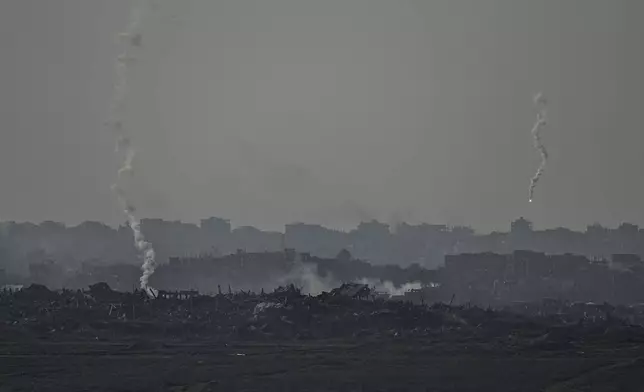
pixel 541 102
pixel 389 288
pixel 306 277
pixel 133 40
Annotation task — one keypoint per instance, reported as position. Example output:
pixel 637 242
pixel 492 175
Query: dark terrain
pixel 101 340
pixel 411 365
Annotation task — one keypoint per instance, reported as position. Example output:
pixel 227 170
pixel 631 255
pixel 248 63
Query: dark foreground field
pixel 101 340
pixel 391 365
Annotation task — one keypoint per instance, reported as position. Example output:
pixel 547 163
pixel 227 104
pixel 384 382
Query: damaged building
pixel 530 276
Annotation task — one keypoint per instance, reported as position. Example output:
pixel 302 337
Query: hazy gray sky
pixel 273 111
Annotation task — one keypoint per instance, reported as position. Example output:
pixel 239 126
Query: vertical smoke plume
pixel 541 102
pixel 133 40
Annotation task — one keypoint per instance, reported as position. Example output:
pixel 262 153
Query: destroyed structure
pixel 531 276
pixel 350 311
pixel 452 264
pixel 267 270
pixel 485 279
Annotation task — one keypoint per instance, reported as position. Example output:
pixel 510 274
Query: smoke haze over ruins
pixel 321 195
pixel 333 112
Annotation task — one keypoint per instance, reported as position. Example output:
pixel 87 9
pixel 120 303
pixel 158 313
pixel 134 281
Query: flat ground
pixel 367 365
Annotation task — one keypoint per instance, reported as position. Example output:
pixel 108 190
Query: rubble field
pixel 344 340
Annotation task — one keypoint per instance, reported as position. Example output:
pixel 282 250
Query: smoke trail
pixel 541 102
pixel 133 40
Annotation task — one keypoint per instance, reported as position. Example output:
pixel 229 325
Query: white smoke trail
pixel 541 102
pixel 133 40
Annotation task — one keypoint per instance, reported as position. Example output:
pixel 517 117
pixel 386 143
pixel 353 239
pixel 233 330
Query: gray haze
pixel 335 111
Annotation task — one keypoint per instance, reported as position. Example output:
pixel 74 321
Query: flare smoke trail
pixel 133 40
pixel 541 102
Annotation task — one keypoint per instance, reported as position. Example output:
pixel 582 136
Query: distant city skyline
pixel 345 229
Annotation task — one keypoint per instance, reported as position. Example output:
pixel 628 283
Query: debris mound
pixel 349 311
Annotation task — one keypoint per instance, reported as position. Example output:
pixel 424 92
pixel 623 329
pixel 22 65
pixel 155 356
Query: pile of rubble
pixel 350 311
